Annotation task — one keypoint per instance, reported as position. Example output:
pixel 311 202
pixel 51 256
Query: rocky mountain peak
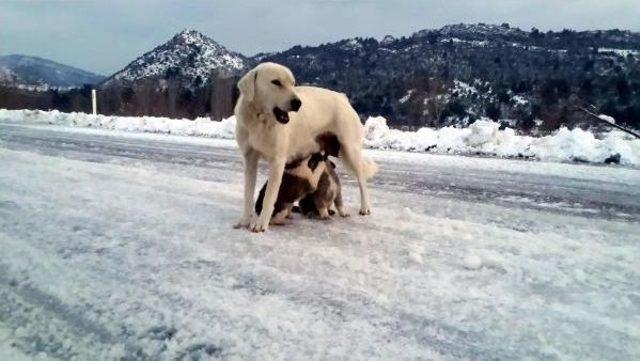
pixel 189 58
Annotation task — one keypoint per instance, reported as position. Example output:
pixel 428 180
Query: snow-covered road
pixel 119 246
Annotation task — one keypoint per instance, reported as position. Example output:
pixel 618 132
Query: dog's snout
pixel 295 104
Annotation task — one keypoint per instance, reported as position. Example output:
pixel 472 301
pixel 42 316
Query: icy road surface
pixel 120 246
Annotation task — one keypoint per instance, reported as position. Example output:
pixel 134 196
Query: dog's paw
pixel 259 225
pixel 365 211
pixel 344 214
pixel 278 221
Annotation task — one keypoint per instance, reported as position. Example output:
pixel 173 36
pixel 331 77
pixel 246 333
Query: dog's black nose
pixel 295 104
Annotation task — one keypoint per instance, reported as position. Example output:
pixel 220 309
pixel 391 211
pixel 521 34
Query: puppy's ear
pixel 314 159
pixel 247 85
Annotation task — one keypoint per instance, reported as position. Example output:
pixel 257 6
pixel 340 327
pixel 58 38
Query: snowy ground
pixel 119 245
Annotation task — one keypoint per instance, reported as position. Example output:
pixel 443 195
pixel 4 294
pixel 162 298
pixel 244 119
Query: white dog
pixel 266 129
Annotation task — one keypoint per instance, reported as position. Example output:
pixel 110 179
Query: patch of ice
pixel 472 262
pixel 408 213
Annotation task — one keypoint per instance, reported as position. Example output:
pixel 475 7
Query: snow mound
pixel 607 118
pixel 484 137
pixel 472 262
pixel 203 127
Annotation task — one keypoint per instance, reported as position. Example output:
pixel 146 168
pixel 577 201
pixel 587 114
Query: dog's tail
pixel 370 168
pixel 355 161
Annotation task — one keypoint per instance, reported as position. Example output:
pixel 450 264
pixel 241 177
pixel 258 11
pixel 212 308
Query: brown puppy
pixel 300 178
pixel 328 193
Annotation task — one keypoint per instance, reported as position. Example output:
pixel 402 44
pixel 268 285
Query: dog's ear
pixel 247 85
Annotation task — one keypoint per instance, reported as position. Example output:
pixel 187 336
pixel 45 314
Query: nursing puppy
pixel 327 194
pixel 278 121
pixel 299 179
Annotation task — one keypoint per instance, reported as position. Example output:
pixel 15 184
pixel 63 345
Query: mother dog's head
pixel 270 87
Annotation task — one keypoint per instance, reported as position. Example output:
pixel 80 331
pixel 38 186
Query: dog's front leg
pixel 250 175
pixel 273 186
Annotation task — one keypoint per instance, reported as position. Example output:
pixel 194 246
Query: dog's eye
pixel 276 83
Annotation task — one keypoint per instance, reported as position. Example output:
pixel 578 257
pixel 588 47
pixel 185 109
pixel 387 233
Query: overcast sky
pixel 103 36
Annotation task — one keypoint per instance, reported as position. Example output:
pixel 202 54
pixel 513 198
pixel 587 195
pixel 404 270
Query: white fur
pixel 260 135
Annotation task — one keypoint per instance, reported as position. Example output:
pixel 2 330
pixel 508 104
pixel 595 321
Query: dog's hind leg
pixel 352 157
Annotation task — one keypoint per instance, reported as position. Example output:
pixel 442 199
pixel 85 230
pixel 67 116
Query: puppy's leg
pixel 316 175
pixel 340 205
pixel 250 175
pixel 261 224
pixel 324 213
pixel 280 218
pixel 323 209
pixel 353 158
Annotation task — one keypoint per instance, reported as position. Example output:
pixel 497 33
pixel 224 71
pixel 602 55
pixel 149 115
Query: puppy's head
pixel 315 160
pixel 271 87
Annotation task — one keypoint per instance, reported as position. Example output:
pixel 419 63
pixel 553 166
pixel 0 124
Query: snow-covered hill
pixel 6 75
pixel 189 57
pixel 535 79
pixel 478 31
pixel 29 71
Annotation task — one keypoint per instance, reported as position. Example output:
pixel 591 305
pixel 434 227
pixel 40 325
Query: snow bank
pixel 203 127
pixel 482 137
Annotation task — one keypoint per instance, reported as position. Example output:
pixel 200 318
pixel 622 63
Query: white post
pixel 94 101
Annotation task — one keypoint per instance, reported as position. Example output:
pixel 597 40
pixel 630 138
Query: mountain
pixel 188 76
pixel 456 74
pixel 189 58
pixel 6 75
pixel 26 70
pixel 531 80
